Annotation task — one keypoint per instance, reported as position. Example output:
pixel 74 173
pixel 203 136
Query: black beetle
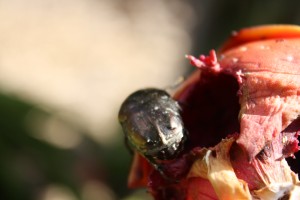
pixel 152 125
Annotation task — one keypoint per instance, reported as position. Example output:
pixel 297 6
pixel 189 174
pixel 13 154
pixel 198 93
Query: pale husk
pixel 215 166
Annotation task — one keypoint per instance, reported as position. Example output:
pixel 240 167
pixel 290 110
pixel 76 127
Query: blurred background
pixel 67 65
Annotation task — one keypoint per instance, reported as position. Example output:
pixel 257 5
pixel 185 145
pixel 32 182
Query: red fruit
pixel 241 110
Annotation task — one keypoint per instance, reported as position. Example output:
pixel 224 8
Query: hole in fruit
pixel 210 109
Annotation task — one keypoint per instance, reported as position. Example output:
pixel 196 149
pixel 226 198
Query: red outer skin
pixel 258 59
pixel 260 33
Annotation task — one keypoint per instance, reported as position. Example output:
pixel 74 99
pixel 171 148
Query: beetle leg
pixel 160 168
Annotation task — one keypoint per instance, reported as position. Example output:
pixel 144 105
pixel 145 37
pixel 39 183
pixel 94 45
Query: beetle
pixel 152 125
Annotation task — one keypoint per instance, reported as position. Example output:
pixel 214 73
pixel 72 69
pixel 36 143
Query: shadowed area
pixel 210 111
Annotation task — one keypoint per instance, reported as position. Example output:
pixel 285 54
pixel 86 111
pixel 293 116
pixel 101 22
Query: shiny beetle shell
pixel 152 124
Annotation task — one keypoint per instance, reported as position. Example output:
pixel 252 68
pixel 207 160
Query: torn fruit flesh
pixel 241 110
